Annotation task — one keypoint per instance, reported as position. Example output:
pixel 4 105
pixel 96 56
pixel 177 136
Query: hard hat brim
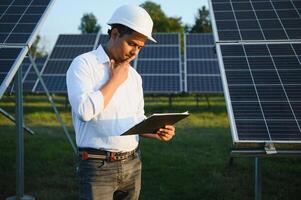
pixel 149 37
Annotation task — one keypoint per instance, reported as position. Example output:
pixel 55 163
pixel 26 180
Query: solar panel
pixel 76 40
pixel 266 98
pixel 19 23
pixel 160 84
pixel 30 76
pixel 159 64
pixel 201 65
pixel 165 39
pixel 258 43
pixel 103 39
pixel 158 67
pixel 159 51
pixel 10 60
pixel 65 50
pixel 257 20
pixel 19 19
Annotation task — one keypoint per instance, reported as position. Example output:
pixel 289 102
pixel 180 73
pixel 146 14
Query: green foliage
pixel 89 24
pixel 162 23
pixel 202 22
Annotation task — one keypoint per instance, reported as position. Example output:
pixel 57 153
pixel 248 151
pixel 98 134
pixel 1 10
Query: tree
pixel 162 23
pixel 89 24
pixel 202 22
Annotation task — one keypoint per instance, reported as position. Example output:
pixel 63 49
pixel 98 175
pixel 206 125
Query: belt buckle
pixel 112 156
pixel 84 155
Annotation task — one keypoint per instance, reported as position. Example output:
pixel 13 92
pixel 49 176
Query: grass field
pixel 194 165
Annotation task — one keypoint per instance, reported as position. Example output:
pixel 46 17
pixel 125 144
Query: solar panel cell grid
pixel 197 39
pixel 202 67
pixel 57 83
pixel 204 84
pixel 103 39
pixel 158 67
pixel 68 52
pixel 200 52
pixel 264 100
pixel 165 39
pixel 202 71
pixel 76 40
pixel 160 52
pixel 257 20
pixel 159 64
pixel 65 50
pixel 8 65
pixel 164 84
pixel 19 18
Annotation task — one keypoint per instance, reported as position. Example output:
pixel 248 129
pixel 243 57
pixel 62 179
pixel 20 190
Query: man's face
pixel 127 47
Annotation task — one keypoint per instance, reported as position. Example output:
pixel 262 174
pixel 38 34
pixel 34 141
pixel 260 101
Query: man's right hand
pixel 119 71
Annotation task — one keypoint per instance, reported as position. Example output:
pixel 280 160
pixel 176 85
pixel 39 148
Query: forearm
pixel 108 91
pixel 150 135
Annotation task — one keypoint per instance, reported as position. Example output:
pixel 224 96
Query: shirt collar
pixel 102 55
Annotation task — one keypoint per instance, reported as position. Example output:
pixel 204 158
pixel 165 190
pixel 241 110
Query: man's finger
pixel 130 59
pixel 113 63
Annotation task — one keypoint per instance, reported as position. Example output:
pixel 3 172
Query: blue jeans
pixel 102 180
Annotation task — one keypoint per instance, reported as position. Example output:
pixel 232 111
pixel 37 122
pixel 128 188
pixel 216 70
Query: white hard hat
pixel 134 17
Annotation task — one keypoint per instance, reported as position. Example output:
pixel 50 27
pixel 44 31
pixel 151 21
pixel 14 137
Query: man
pixel 106 97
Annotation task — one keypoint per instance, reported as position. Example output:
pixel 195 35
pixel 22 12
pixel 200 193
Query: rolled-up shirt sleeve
pixel 86 103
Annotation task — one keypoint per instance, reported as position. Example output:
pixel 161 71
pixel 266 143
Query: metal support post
pixel 257 178
pixel 20 141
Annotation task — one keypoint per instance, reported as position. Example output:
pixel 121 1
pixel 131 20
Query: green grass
pixel 194 165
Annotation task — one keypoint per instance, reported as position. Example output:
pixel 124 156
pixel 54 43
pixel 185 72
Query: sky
pixel 65 15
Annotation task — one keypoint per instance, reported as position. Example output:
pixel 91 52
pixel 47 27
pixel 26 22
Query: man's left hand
pixel 167 133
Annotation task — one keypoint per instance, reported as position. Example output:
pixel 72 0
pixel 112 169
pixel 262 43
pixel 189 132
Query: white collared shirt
pixel 96 126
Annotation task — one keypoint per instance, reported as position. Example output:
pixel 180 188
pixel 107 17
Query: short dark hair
pixel 122 29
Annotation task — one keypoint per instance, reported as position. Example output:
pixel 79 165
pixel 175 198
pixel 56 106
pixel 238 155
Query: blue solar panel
pixel 30 76
pixel 265 100
pixel 10 60
pixel 76 40
pixel 19 19
pixel 158 67
pixel 206 84
pixel 200 52
pixel 103 39
pixel 202 69
pixel 166 38
pixel 65 50
pixel 257 20
pixel 57 84
pixel 160 52
pixel 19 23
pixel 159 64
pixel 200 39
pixel 161 84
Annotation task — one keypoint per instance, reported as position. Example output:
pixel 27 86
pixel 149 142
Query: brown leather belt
pixel 89 153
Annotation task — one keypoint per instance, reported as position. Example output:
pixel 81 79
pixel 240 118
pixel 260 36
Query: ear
pixel 114 33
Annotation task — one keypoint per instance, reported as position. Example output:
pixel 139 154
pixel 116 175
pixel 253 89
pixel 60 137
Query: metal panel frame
pixel 236 141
